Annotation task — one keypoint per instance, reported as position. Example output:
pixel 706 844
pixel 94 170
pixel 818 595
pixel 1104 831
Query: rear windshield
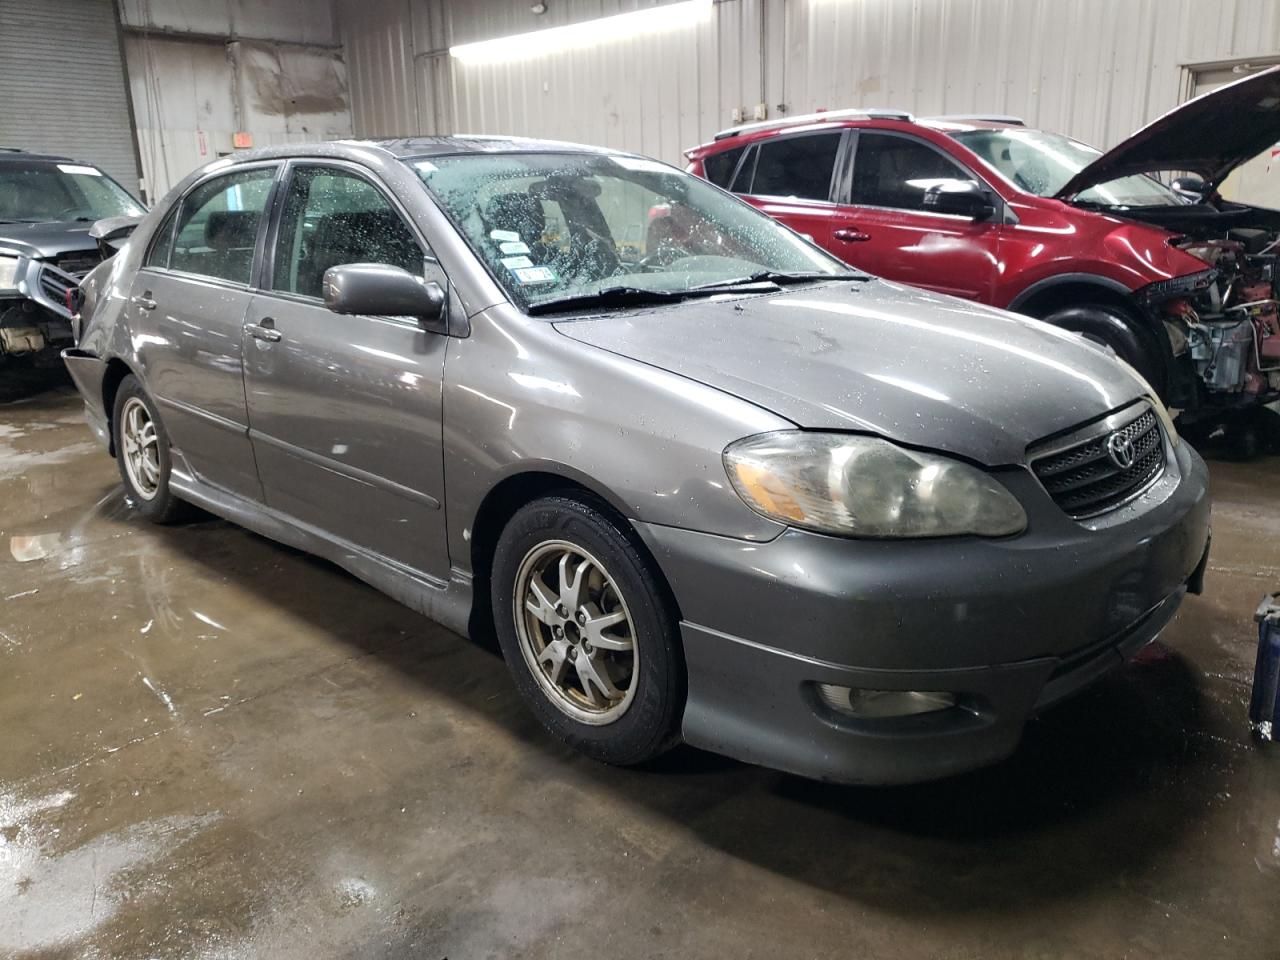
pixel 550 226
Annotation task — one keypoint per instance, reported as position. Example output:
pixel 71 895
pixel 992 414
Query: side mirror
pixel 963 198
pixel 381 290
pixel 112 232
pixel 1190 188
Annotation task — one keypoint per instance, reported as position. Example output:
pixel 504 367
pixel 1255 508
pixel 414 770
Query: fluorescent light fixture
pixel 538 43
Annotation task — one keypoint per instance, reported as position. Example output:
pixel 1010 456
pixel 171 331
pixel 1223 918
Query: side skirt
pixel 447 603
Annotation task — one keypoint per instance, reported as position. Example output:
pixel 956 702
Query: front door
pixel 186 311
pixel 346 410
pixel 884 227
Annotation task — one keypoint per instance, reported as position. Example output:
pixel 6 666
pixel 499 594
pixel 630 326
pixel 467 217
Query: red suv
pixel 1180 283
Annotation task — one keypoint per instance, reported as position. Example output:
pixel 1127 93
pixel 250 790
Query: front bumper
pixel 1010 626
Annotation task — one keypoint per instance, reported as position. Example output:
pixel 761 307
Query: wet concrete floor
pixel 213 746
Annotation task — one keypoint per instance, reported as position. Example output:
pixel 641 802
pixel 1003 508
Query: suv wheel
pixel 1119 330
pixel 587 633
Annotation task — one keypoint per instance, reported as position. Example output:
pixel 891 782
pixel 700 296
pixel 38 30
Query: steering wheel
pixel 664 256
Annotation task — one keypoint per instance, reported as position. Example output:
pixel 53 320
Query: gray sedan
pixel 704 481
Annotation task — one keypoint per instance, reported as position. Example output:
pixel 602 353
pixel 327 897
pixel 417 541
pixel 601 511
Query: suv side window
pixel 719 167
pixel 218 226
pixel 333 217
pixel 894 171
pixel 798 167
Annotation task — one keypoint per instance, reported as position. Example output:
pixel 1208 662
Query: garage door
pixel 63 83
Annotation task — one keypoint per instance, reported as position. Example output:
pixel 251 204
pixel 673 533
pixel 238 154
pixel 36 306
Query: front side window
pixel 333 217
pixel 891 171
pixel 1042 163
pixel 218 226
pixel 162 244
pixel 555 226
pixel 799 167
pixel 42 191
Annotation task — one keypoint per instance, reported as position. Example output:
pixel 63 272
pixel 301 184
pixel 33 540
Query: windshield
pixel 1042 163
pixel 37 192
pixel 560 227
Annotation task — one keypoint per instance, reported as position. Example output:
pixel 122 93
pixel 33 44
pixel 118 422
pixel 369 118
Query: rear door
pixel 884 228
pixel 792 178
pixel 346 410
pixel 186 311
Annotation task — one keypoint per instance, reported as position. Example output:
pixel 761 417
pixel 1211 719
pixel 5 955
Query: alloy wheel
pixel 576 634
pixel 141 448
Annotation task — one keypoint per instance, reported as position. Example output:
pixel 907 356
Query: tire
pixel 1119 330
pixel 147 486
pixel 545 541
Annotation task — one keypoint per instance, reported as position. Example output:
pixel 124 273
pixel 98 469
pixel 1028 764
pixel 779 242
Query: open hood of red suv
pixel 1210 135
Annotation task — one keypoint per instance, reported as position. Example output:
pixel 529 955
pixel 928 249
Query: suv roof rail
pixel 982 118
pixel 856 113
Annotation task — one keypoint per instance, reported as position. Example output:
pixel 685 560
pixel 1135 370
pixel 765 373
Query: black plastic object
pixel 1264 707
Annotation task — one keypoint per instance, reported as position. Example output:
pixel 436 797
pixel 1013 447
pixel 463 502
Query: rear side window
pixel 218 227
pixel 891 171
pixel 798 167
pixel 719 167
pixel 163 243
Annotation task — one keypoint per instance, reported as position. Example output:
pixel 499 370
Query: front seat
pixel 521 214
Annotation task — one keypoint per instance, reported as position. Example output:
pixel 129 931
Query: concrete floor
pixel 212 746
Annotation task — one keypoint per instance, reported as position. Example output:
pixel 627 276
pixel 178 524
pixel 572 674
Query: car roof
pixel 18 154
pixel 404 148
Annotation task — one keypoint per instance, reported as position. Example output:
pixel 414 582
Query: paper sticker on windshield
pixel 535 275
pixel 426 166
pixel 640 163
pixel 516 263
pixel 77 168
pixel 501 235
pixel 513 246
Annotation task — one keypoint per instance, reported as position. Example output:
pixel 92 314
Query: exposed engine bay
pixel 1223 324
pixel 36 318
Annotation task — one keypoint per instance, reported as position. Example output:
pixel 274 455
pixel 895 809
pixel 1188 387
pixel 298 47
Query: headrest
pixel 228 229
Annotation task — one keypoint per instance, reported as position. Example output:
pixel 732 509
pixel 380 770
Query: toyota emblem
pixel 1120 450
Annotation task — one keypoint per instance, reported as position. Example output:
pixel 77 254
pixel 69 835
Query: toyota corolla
pixel 703 481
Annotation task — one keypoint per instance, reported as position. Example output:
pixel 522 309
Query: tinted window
pixel 719 167
pixel 162 245
pixel 331 218
pixel 896 171
pixel 796 167
pixel 218 226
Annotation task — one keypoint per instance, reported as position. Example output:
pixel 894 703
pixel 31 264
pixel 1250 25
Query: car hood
pixel 41 241
pixel 917 367
pixel 1210 135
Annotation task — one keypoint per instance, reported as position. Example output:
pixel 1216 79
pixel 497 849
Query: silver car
pixel 704 481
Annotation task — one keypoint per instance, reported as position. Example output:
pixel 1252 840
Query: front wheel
pixel 142 453
pixel 587 632
pixel 1119 330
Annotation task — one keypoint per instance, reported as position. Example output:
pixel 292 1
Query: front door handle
pixel 264 329
pixel 144 301
pixel 850 236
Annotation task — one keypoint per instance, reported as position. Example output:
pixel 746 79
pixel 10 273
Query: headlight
pixel 8 273
pixel 866 487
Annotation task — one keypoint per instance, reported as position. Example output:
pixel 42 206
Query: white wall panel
pixel 1096 69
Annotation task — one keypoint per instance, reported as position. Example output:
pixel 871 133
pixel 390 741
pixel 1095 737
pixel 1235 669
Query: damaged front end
pixel 1223 323
pixel 38 301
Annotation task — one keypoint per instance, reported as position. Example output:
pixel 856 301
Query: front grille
pixel 78 264
pixel 1085 479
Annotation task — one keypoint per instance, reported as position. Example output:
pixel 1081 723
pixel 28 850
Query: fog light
pixel 857 702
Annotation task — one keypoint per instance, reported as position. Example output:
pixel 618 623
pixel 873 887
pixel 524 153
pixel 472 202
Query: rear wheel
pixel 142 454
pixel 587 633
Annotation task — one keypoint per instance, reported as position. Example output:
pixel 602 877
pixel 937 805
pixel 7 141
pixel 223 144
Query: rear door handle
pixel 265 330
pixel 144 301
pixel 850 236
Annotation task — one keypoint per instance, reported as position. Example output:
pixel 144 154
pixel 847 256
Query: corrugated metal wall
pixel 62 87
pixel 1096 69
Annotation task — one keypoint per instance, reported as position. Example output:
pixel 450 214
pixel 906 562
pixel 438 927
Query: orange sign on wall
pixel 242 140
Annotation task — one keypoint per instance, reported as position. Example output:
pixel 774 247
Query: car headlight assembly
pixel 8 274
pixel 858 486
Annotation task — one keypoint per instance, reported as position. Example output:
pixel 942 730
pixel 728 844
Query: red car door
pixel 792 178
pixel 883 225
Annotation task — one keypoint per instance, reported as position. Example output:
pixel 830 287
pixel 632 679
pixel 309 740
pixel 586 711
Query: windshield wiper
pixel 619 296
pixel 780 278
